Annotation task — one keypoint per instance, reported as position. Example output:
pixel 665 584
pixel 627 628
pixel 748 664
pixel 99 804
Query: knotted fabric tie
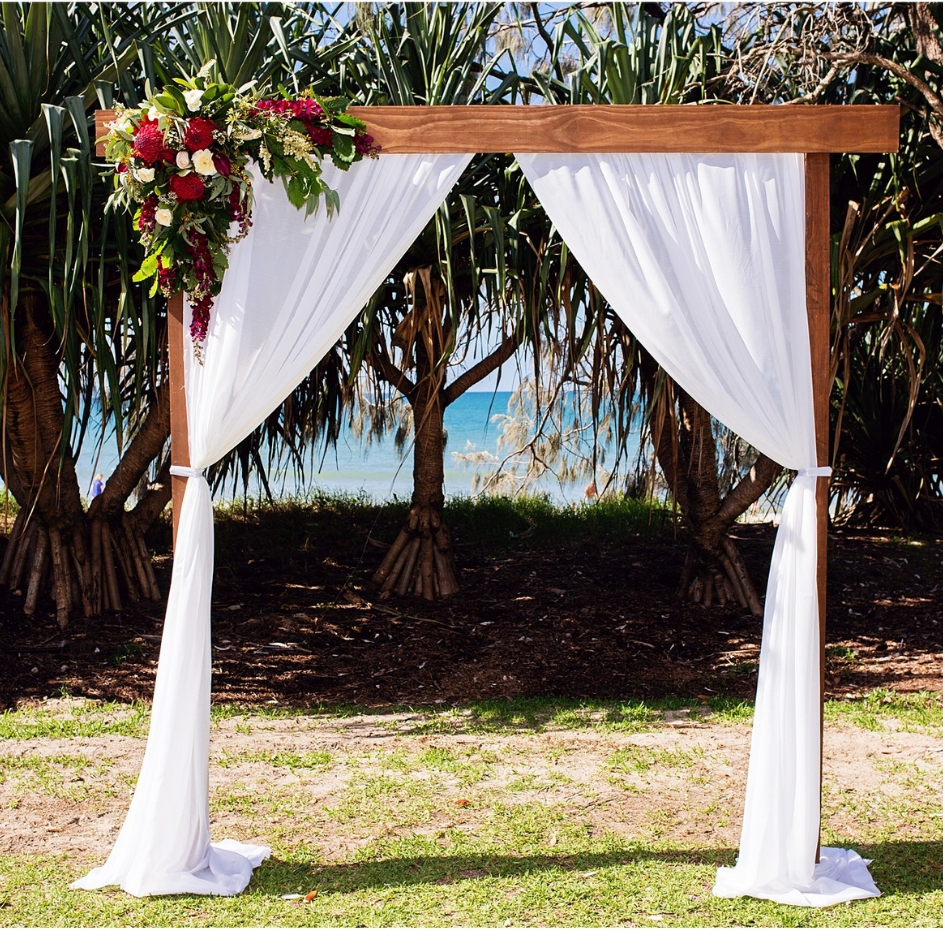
pixel 808 471
pixel 188 471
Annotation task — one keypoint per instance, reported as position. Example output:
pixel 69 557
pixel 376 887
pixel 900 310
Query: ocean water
pixel 473 423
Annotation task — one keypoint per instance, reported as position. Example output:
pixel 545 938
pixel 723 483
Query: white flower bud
pixel 183 160
pixel 164 217
pixel 144 174
pixel 153 113
pixel 192 97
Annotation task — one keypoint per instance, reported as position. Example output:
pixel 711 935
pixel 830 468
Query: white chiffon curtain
pixel 703 257
pixel 293 286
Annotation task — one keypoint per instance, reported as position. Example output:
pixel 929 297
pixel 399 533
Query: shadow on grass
pixel 904 868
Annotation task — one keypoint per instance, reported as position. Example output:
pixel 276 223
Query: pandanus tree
pixel 645 55
pixel 79 340
pixel 73 334
pixel 886 225
pixel 475 287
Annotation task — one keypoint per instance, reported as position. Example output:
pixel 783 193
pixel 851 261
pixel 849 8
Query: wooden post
pixel 817 199
pixel 180 447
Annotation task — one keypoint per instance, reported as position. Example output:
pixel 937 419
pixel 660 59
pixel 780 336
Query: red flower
pixel 149 141
pixel 199 133
pixel 320 137
pixel 188 187
pixel 222 163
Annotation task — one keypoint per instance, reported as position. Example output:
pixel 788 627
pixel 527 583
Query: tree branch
pixel 483 369
pixel 871 59
pixel 142 451
pixel 748 490
pixel 381 362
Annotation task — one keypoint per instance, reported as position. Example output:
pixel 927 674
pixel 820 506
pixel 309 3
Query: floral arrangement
pixel 180 159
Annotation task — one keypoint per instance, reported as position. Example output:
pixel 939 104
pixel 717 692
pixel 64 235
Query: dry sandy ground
pixel 680 783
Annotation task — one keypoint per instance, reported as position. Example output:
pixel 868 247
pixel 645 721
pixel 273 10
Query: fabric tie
pixel 807 471
pixel 187 471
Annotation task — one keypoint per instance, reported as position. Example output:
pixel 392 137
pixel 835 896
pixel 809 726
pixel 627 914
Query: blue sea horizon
pixel 376 471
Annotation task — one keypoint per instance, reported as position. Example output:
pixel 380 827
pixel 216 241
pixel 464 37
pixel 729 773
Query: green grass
pixel 908 712
pixel 267 530
pixel 74 719
pixel 522 813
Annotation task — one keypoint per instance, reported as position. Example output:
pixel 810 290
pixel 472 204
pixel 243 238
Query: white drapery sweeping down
pixel 703 257
pixel 293 286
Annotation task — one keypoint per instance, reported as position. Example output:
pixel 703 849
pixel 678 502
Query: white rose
pixel 145 174
pixel 203 162
pixel 164 217
pixel 192 97
pixel 183 160
pixel 153 113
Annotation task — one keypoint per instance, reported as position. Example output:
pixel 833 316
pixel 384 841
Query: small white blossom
pixel 203 162
pixel 164 217
pixel 153 113
pixel 183 160
pixel 192 97
pixel 144 174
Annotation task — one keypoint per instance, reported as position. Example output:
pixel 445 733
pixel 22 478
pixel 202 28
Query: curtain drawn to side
pixel 703 257
pixel 293 286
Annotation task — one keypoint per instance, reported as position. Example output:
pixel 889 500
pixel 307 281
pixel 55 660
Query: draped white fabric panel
pixel 293 286
pixel 703 256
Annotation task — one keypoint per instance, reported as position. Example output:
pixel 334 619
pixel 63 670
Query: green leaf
pixel 345 119
pixel 295 191
pixel 22 152
pixel 343 146
pixel 148 268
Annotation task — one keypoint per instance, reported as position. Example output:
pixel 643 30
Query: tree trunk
pixel 55 546
pixel 714 572
pixel 420 561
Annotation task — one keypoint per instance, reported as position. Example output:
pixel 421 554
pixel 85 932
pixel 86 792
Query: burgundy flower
pixel 167 278
pixel 188 187
pixel 199 133
pixel 146 218
pixel 320 137
pixel 222 163
pixel 364 144
pixel 148 141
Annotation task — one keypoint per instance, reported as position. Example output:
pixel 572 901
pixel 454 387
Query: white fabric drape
pixel 293 286
pixel 703 256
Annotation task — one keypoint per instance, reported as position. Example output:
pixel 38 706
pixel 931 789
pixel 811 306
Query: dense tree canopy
pixel 78 337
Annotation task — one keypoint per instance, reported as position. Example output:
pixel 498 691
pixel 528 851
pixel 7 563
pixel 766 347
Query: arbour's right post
pixel 817 216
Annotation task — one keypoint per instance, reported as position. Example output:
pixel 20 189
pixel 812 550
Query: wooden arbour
pixel 816 131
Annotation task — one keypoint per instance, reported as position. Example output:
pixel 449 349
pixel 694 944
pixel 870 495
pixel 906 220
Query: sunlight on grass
pixel 523 812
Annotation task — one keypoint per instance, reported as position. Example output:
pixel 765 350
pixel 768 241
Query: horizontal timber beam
pixel 563 129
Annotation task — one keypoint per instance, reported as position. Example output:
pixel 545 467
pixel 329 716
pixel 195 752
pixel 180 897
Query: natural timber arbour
pixel 813 130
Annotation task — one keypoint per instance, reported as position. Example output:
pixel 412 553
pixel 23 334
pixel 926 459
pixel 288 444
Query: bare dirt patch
pixel 315 780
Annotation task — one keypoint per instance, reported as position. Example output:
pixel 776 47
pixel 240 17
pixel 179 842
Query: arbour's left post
pixel 180 447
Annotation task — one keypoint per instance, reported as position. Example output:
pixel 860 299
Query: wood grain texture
pixel 180 446
pixel 817 212
pixel 565 129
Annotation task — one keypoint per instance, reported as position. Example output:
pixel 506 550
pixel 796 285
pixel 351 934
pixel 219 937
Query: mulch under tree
pixel 297 622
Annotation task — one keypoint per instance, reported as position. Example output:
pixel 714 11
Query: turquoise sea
pixel 474 424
